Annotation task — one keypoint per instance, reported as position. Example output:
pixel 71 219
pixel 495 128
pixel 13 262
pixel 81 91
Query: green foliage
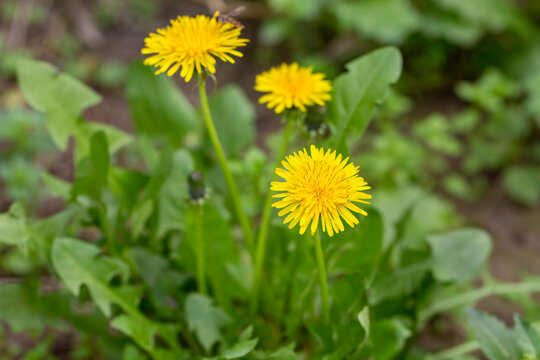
pixel 364 17
pixel 205 319
pixel 357 92
pixel 235 124
pixel 497 341
pixel 522 183
pixel 157 107
pixel 61 97
pixel 126 248
pixel 459 255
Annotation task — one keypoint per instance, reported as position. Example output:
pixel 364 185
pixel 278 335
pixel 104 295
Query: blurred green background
pixel 463 121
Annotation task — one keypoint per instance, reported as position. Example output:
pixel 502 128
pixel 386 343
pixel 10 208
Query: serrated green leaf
pixel 60 96
pixel 497 342
pixel 358 91
pixel 459 255
pixel 77 263
pixel 527 337
pixel 205 319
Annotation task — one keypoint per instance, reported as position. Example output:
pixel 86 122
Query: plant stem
pixel 458 351
pixel 199 248
pixel 322 278
pixel 475 295
pixel 265 221
pixel 224 165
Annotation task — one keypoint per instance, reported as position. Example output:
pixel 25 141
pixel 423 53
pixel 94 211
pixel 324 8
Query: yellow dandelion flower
pixel 321 186
pixel 192 43
pixel 291 86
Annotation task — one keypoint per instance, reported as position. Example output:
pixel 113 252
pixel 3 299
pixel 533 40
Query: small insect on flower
pixel 230 17
pixel 319 186
pixel 292 86
pixel 192 43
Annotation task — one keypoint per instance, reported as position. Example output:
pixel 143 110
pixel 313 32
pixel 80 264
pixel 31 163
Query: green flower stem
pixel 265 221
pixel 224 165
pixel 322 278
pixel 199 248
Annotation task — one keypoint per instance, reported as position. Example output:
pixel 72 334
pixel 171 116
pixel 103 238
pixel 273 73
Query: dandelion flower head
pixel 320 186
pixel 192 43
pixel 291 85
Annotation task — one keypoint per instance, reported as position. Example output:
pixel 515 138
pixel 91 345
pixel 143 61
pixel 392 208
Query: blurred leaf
pixel 459 255
pixel 357 92
pixel 527 337
pixel 25 308
pixel 363 319
pixel 156 273
pixel 234 118
pixel 21 309
pixel 393 205
pixel 60 96
pixel 284 353
pixel 357 250
pixel 78 263
pixel 465 121
pixel 243 347
pixel 398 284
pixel 298 9
pixel 497 342
pixel 136 329
pixel 522 184
pixel 57 187
pixel 22 180
pixel 13 229
pixel 220 250
pixel 400 18
pixel 495 14
pixel 490 91
pixel 205 319
pixel 436 133
pixel 116 138
pixel 92 172
pixel 43 231
pixel 127 185
pixel 458 186
pixel 431 214
pixel 173 194
pixel 388 337
pixel 532 85
pixel 450 27
pixel 158 108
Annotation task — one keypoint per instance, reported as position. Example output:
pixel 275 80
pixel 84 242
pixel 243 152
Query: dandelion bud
pixel 197 191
